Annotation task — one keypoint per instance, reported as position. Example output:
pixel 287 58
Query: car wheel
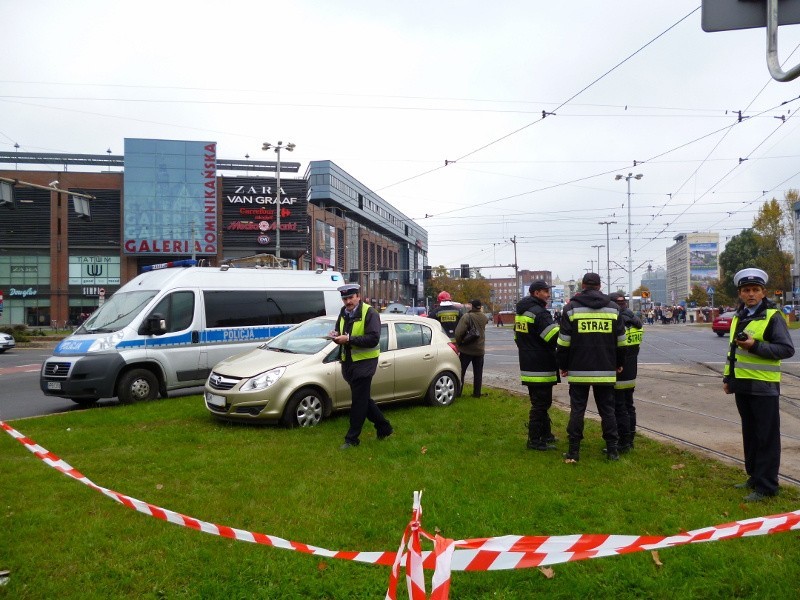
pixel 720 333
pixel 304 409
pixel 84 401
pixel 137 384
pixel 3 350
pixel 443 389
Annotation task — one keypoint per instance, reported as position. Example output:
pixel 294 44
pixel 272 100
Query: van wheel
pixel 304 409
pixel 443 389
pixel 138 384
pixel 720 333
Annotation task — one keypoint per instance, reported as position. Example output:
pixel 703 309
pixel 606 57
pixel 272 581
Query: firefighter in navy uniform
pixel 624 408
pixel 447 313
pixel 759 339
pixel 535 334
pixel 590 353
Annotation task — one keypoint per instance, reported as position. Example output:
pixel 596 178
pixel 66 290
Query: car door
pixel 414 359
pixel 383 382
pixel 382 388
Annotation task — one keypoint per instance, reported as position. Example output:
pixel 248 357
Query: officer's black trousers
pixel 761 435
pixel 625 413
pixel 604 399
pixel 539 426
pixel 363 406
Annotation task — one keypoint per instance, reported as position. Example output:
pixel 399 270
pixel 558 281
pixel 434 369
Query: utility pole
pixel 513 240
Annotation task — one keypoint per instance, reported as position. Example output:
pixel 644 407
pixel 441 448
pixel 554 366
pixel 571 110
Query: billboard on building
pixel 703 263
pixel 249 218
pixel 170 197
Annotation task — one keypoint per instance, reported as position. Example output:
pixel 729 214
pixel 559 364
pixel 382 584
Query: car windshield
pixel 308 337
pixel 116 312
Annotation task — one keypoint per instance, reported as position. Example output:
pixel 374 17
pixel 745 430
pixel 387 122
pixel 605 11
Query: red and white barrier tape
pixel 476 554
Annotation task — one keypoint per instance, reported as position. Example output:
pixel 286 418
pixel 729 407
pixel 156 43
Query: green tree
pixel 770 226
pixel 739 253
pixel 699 296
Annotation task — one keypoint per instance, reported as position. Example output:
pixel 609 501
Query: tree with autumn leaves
pixel 765 245
pixel 461 290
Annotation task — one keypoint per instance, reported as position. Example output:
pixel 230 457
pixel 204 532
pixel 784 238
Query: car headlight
pixel 263 381
pixel 107 342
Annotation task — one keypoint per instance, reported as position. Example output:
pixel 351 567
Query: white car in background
pixel 296 378
pixel 6 342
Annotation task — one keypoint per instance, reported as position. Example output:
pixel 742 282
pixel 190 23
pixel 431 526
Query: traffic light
pixel 645 294
pixel 426 273
pixel 7 198
pixel 464 271
pixel 779 292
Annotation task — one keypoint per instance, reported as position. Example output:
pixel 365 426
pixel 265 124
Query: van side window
pixel 248 308
pixel 178 309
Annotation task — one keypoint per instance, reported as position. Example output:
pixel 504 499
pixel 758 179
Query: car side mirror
pixel 155 324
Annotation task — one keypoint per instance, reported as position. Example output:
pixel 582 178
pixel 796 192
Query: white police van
pixel 165 329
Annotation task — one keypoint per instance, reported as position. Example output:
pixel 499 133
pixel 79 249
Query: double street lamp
pixel 628 178
pixel 278 147
pixel 598 255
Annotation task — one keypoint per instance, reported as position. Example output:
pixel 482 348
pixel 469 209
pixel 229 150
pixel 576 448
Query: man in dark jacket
pixel 759 339
pixel 472 351
pixel 591 351
pixel 358 333
pixel 535 334
pixel 624 409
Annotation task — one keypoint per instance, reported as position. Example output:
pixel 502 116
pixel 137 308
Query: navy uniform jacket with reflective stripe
pixel 633 328
pixel 591 341
pixel 535 334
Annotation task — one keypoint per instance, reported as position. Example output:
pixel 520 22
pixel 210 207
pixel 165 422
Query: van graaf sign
pixel 94 270
pixel 250 216
pixel 175 210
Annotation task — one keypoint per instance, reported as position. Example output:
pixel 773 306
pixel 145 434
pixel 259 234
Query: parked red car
pixel 722 324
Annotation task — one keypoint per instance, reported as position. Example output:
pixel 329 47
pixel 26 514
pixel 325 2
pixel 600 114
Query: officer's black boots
pixel 574 454
pixel 612 452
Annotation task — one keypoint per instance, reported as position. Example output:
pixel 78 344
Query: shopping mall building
pixel 166 200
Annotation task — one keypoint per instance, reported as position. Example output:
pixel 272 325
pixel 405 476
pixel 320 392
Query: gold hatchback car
pixel 296 378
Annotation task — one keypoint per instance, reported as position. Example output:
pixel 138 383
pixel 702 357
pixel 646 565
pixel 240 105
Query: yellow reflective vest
pixel 357 353
pixel 747 365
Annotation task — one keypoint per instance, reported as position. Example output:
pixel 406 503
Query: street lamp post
pixel 278 147
pixel 628 178
pixel 598 246
pixel 608 256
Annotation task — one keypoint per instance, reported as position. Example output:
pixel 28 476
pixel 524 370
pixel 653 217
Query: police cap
pixel 750 276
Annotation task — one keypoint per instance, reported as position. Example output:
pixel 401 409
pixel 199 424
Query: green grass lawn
pixel 61 539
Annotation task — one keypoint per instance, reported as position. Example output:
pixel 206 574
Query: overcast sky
pixel 392 90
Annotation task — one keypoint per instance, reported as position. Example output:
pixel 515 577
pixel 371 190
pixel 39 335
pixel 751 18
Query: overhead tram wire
pixel 764 87
pixel 545 113
pixel 715 184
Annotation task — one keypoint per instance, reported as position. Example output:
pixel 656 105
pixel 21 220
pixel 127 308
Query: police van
pixel 165 329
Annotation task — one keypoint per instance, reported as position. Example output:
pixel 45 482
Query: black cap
pixel 476 303
pixel 591 279
pixel 539 284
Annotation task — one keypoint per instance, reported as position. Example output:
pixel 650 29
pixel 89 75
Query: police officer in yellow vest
pixel 358 333
pixel 759 339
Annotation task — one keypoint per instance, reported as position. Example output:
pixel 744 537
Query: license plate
pixel 215 400
pixel 54 385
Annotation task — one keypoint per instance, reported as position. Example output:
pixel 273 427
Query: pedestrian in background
pixel 591 351
pixel 447 313
pixel 358 334
pixel 471 351
pixel 624 408
pixel 759 339
pixel 535 334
